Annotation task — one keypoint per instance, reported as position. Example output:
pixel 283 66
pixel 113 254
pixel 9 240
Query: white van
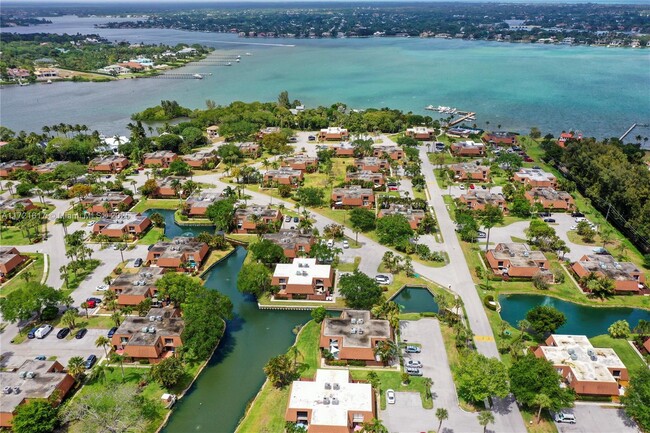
pixel 43 331
pixel 565 417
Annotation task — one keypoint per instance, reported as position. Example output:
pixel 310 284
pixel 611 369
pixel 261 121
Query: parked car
pixel 412 364
pixel 549 220
pixel 565 417
pixel 138 262
pixel 293 140
pixel 390 396
pixel 287 219
pixel 471 186
pixel 412 349
pixel 536 167
pixel 311 138
pixel 480 234
pixel 43 331
pixel 62 333
pixel 544 214
pixel 32 333
pixel 102 288
pixel 528 159
pixel 483 187
pixel 91 304
pixel 80 333
pixel 414 371
pixel 115 247
pixel 41 358
pixel 296 219
pixel 577 214
pixel 346 244
pixel 580 219
pixel 90 361
pixel 461 186
pixel 96 300
pixel 382 279
pixel 112 331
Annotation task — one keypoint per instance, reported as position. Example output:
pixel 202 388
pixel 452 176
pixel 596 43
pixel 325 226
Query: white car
pixel 346 244
pixel 102 288
pixel 413 364
pixel 580 219
pixel 462 186
pixel 390 396
pixel 330 243
pixel 573 228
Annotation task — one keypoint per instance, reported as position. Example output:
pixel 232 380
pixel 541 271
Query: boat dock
pixel 628 131
pixel 181 76
pixel 463 117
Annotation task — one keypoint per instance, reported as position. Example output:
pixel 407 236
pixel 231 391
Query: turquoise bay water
pixel 582 320
pixel 599 91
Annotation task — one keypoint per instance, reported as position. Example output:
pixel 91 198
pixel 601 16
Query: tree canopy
pixel 254 278
pixel 637 398
pixel 392 229
pixel 480 377
pixel 35 416
pixel 545 319
pixel 531 376
pixel 360 291
pixel 33 297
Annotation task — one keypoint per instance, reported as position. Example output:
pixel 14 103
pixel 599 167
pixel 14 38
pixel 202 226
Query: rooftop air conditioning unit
pixel 304 273
pixel 159 318
pixel 336 387
pixel 360 321
pixel 299 264
pixel 6 390
pixel 152 318
pixel 353 321
pixel 145 329
pixel 298 273
pixel 22 374
pixel 152 330
pixel 326 400
pixel 31 375
pixel 594 357
pixel 574 356
pixel 328 385
pixel 353 331
pixel 360 331
pixel 16 390
pixel 335 401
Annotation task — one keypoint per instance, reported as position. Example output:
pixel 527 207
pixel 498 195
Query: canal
pixel 172 229
pixel 218 398
pixel 581 319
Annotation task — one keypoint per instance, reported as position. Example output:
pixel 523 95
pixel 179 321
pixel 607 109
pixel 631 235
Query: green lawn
pixel 145 204
pixel 623 349
pixel 75 278
pixel 11 235
pixel 36 268
pixel 309 352
pixel 349 267
pixel 154 235
pixel 393 380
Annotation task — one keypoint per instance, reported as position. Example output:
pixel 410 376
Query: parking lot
pixel 594 418
pixel 63 349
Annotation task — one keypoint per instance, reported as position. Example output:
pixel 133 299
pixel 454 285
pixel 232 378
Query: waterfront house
pixel 169 187
pixel 627 277
pixel 469 171
pixel 212 132
pixel 161 158
pixel 6 168
pixel 132 66
pixel 247 219
pixel 108 164
pixel 48 167
pixel 413 216
pixel 293 242
pixel 11 205
pixel 111 201
pixel 467 148
pixel 566 136
pixel 477 200
pixel 200 159
pixel 377 179
pixel 388 151
pixel 353 196
pixel 354 336
pixel 303 278
pixel 17 73
pixel 535 178
pixel 181 252
pixel 198 204
pixel 10 261
pixel 344 149
pixel 133 288
pixel 115 70
pixel 251 150
pixel 331 403
pixel 115 226
pixel 371 163
pixel 500 138
pixel 153 338
pixel 421 133
pixel 333 133
pixel 301 162
pixel 32 380
pixel 588 370
pixel 283 176
pixel 550 198
pixel 46 73
pixel 516 260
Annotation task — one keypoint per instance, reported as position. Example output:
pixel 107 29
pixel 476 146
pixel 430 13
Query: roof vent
pixel 594 358
pixel 574 356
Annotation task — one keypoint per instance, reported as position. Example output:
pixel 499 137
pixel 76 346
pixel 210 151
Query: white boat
pixel 198 76
pixel 228 64
pixel 430 107
pixel 248 54
pixel 48 82
pixel 238 56
pixel 237 60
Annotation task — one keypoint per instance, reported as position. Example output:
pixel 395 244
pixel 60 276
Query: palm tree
pixel 428 383
pixel 523 325
pixel 76 366
pixel 387 351
pixel 374 381
pixel 442 414
pixel 543 401
pixel 484 418
pixel 118 358
pixel 374 426
pixel 103 341
pixel 84 305
pixel 64 274
pixel 69 318
pixel 116 317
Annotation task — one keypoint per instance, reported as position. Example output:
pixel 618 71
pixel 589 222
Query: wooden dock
pixel 181 76
pixel 461 119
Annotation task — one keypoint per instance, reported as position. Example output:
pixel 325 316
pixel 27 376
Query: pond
pixel 415 300
pixel 172 229
pixel 218 398
pixel 581 319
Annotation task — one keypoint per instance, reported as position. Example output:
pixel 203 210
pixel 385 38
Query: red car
pixel 91 304
pixel 471 186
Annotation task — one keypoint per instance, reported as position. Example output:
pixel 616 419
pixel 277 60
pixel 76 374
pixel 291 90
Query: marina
pixel 463 115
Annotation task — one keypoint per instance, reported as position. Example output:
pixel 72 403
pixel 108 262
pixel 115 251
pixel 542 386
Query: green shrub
pixel 356 363
pixel 487 302
pixel 49 313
